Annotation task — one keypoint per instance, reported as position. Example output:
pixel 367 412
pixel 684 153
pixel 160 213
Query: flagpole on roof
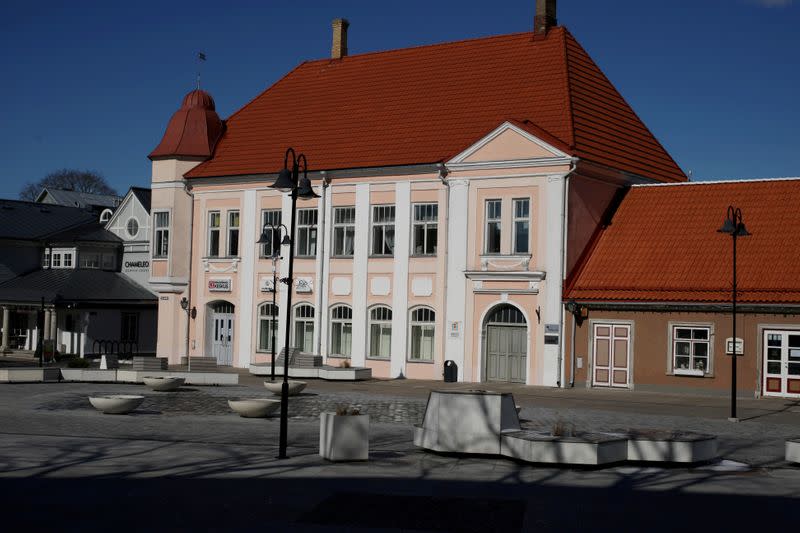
pixel 201 57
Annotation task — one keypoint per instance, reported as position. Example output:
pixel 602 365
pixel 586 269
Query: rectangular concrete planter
pixel 29 375
pixel 793 450
pixel 583 449
pixel 192 378
pixel 343 437
pixel 93 375
pixel 329 373
pixel 672 448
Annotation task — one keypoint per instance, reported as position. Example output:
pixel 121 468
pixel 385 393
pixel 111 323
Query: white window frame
pixel 420 218
pixel 233 232
pixel 309 228
pixel 341 316
pixel 673 355
pixel 128 227
pixel 161 235
pixel 212 230
pixel 267 318
pixel 274 216
pixel 515 220
pixel 94 265
pixel 383 219
pixel 493 220
pixel 347 229
pixel 423 325
pixel 55 260
pixel 306 320
pixel 381 317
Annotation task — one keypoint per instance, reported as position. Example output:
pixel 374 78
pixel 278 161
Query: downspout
pixel 572 350
pixel 325 182
pixel 442 175
pixel 562 255
pixel 188 189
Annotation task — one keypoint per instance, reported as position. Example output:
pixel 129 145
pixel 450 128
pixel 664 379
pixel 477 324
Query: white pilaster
pixel 323 287
pixel 402 229
pixel 6 322
pixel 360 262
pixel 286 218
pixel 458 208
pixel 247 248
pixel 552 285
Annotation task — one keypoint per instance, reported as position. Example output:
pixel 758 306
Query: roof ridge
pixel 715 182
pixel 568 95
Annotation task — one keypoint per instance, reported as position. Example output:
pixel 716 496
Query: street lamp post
pixel 734 227
pixel 289 181
pixel 269 239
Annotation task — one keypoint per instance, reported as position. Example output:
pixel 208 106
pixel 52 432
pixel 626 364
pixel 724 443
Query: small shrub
pixel 78 363
pixel 344 363
pixel 561 429
pixel 342 410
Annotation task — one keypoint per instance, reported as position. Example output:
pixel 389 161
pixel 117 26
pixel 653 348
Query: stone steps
pixel 149 363
pixel 298 359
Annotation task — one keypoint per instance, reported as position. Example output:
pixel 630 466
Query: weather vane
pixel 201 58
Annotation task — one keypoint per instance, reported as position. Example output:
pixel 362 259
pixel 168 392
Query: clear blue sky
pixel 93 84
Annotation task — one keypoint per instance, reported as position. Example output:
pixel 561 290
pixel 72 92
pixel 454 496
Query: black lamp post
pixel 734 227
pixel 289 180
pixel 275 257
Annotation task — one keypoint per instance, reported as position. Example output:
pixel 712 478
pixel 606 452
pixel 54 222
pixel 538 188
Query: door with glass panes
pixel 781 357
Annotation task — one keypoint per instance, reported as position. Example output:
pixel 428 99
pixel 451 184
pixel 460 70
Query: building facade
pixel 447 218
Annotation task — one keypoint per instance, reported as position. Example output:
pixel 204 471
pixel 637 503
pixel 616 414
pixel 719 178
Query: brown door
pixel 611 355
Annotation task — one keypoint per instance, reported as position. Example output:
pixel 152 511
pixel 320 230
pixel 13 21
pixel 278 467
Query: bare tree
pixel 70 179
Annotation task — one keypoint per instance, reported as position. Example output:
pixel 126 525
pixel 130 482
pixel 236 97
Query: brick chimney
pixel 339 46
pixel 545 17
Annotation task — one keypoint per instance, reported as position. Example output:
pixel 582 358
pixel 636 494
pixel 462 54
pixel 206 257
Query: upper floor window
pixel 214 222
pixel 233 233
pixel 161 234
pixel 690 349
pixel 306 233
pixel 132 227
pixel 341 331
pixel 380 332
pixel 105 216
pixel 58 258
pixel 383 230
pixel 522 218
pixel 423 329
pixel 425 229
pixel 271 218
pixel 344 230
pixel 492 230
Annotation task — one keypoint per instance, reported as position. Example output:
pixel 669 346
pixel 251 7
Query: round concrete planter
pixel 254 407
pixel 295 387
pixel 163 384
pixel 116 404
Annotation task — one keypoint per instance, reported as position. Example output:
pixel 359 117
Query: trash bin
pixel 450 371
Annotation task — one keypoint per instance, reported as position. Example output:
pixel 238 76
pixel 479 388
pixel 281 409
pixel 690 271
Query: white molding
pixel 505 275
pixel 247 248
pixel 119 209
pixel 516 163
pixel 360 268
pixel 505 261
pixel 456 297
pixel 326 286
pixel 283 271
pixel 208 263
pixel 176 184
pixel 482 341
pixel 399 285
pixel 502 128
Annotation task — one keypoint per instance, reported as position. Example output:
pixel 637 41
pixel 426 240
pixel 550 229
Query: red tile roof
pixel 193 130
pixel 427 104
pixel 662 246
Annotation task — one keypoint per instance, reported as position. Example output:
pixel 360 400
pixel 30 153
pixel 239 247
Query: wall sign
pixel 304 285
pixel 455 330
pixel 551 339
pixel 729 346
pixel 552 329
pixel 266 285
pixel 220 285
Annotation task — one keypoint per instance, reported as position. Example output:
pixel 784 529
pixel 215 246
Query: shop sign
pixel 220 285
pixel 729 346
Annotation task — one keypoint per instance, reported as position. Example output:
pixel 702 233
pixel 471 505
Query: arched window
pixel 506 314
pixel 423 332
pixel 105 216
pixel 380 332
pixel 304 328
pixel 267 322
pixel 341 331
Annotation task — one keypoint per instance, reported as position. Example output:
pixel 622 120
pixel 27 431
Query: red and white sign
pixel 220 285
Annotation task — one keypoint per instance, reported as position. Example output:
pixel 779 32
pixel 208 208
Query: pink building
pixel 459 184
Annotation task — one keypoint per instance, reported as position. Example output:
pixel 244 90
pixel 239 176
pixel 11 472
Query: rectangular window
pixel 383 230
pixel 522 219
pixel 161 234
pixel 56 260
pixel 109 261
pixel 271 218
pixel 67 260
pixel 213 233
pixel 306 233
pixel 424 232
pixel 90 260
pixel 492 233
pixel 691 350
pixel 233 233
pixel 46 260
pixel 130 327
pixel 344 231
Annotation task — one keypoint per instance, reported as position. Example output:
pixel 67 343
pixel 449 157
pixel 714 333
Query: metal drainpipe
pixel 442 176
pixel 188 189
pixel 562 252
pixel 323 234
pixel 572 352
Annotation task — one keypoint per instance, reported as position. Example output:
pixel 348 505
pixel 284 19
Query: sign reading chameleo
pixel 220 285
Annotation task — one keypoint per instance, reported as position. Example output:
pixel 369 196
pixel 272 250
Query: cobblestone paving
pixel 215 402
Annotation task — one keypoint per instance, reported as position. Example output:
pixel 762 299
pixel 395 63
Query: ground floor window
pixel 380 332
pixel 691 349
pixel 267 320
pixel 423 329
pixel 130 327
pixel 341 331
pixel 304 328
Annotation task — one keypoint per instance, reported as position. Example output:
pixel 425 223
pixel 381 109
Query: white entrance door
pixel 222 338
pixel 782 363
pixel 611 355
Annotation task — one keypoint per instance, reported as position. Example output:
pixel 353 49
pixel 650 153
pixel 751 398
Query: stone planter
pixel 793 450
pixel 671 447
pixel 343 437
pixel 116 404
pixel 295 387
pixel 578 449
pixel 254 407
pixel 163 384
